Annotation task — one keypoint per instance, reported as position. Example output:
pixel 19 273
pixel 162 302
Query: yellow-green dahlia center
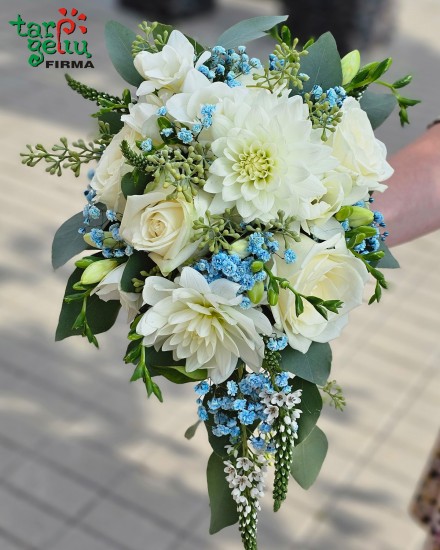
pixel 255 166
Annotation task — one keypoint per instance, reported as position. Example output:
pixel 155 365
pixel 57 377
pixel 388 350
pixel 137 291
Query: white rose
pixel 110 170
pixel 327 270
pixel 162 227
pixel 169 67
pixel 359 152
pixel 110 289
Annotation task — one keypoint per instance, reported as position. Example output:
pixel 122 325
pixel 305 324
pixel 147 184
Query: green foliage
pixel 247 30
pixel 191 431
pixel 378 107
pixel 82 314
pixel 155 35
pixel 64 156
pixel 134 183
pixel 138 264
pixel 112 121
pixel 89 93
pixel 335 394
pixel 142 372
pixel 322 64
pixel 368 74
pixel 311 406
pixel 67 242
pixel 223 508
pixel 388 261
pixel 119 40
pixel 313 366
pixel 308 458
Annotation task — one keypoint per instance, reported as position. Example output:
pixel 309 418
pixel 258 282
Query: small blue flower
pixel 221 430
pixel 258 443
pixel 232 388
pixel 147 145
pixel 289 256
pixel 214 404
pixel 246 417
pixel 162 111
pixel 111 216
pixel 239 404
pixel 186 136
pixel 245 303
pixel 202 388
pixel 202 413
pixel 218 50
pixel 167 132
pixel 265 428
pixel 197 128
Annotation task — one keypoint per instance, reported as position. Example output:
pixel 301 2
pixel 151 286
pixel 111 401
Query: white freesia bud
pixel 360 216
pixel 96 271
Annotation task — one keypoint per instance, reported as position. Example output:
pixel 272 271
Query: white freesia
pixel 320 221
pixel 169 67
pixel 202 323
pixel 110 170
pixel 163 227
pixel 185 107
pixel 110 289
pixel 327 270
pixel 267 156
pixel 359 152
pixel 143 115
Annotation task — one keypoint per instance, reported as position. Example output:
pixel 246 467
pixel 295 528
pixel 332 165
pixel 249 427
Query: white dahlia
pixel 202 323
pixel 268 156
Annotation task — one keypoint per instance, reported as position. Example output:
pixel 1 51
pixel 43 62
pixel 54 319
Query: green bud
pixel 84 262
pixel 240 248
pixel 257 266
pixel 272 297
pixel 256 292
pixel 344 213
pixel 96 271
pixel 360 216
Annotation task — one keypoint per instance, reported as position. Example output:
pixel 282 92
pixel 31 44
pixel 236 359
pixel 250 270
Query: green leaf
pixel 378 107
pixel 313 366
pixel 101 316
pixel 68 242
pixel 322 64
pixel 134 183
pixel 223 508
pixel 158 359
pixel 247 30
pixel 113 120
pixel 191 431
pixel 178 375
pixel 388 261
pixel 350 66
pixel 308 458
pixel 119 40
pixel 138 373
pixel 311 406
pixel 137 262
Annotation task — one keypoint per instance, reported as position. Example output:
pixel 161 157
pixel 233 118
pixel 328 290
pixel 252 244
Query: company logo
pixel 48 38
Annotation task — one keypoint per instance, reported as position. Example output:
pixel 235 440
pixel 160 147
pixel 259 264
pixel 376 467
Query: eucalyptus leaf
pixel 311 406
pixel 119 40
pixel 388 261
pixel 191 431
pixel 308 458
pixel 322 64
pixel 378 107
pixel 101 316
pixel 137 262
pixel 67 242
pixel 247 30
pixel 313 366
pixel 223 507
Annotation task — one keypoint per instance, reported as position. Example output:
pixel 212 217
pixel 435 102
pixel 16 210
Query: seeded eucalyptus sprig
pixel 152 39
pixel 216 230
pixel 322 115
pixel 335 395
pixel 63 155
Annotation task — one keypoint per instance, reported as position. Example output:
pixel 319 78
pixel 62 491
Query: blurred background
pixel 86 461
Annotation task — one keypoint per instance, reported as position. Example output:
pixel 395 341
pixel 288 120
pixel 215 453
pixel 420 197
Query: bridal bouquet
pixel 231 216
